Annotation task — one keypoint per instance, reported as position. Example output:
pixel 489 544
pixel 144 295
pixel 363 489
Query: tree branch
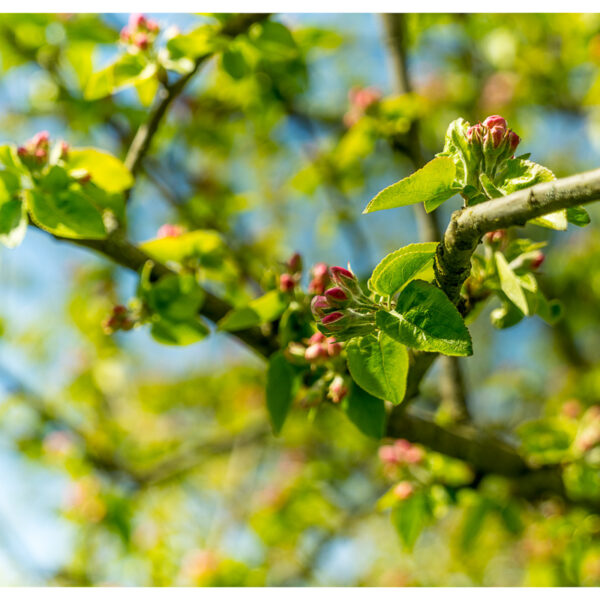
pixel 468 225
pixel 143 137
pixel 126 254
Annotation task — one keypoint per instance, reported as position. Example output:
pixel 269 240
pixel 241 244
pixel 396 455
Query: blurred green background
pixel 127 462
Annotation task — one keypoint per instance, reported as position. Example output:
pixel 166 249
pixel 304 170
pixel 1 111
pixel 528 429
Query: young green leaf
pixel 366 412
pixel 265 309
pixel 399 267
pixel 106 171
pixel 577 215
pixel 379 364
pixel 511 284
pixel 410 517
pixel 433 184
pixel 177 298
pixel 65 213
pixel 474 518
pixel 279 390
pixel 425 319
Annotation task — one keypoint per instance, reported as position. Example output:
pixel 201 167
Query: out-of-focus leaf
pixel 107 171
pixel 279 390
pixel 265 309
pixel 410 517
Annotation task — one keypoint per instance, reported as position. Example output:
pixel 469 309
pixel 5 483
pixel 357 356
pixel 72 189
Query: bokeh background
pixel 127 462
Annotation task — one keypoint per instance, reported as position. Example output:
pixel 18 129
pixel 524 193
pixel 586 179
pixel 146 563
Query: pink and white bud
pixel 137 20
pixel 168 230
pixel 334 348
pixel 337 389
pixel 537 261
pixel 495 121
pixel 315 352
pixel 64 150
pixel 141 41
pixel 286 282
pixel 387 455
pixel 41 139
pixel 317 338
pixel 341 275
pixel 513 141
pixel 294 264
pixel 318 306
pixel 331 318
pixel 403 490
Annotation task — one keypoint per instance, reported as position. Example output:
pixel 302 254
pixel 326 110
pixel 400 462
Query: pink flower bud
pixel 125 35
pixel 493 237
pixel 334 348
pixel 336 293
pixel 286 282
pixel 332 318
pixel 294 264
pixel 136 20
pixel 513 140
pixel 41 139
pixel 168 230
pixel 152 26
pixel 339 273
pixel 413 455
pixel 315 352
pixel 22 151
pixel 403 490
pixel 317 338
pixel 41 154
pixel 318 306
pixel 387 455
pixel 141 41
pixel 495 121
pixel 64 150
pixel 497 135
pixel 320 271
pixel 474 133
pixel 337 389
pixel 536 263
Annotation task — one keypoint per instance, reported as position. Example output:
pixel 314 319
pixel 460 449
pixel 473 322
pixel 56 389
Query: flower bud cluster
pixel 344 310
pixel 35 153
pixel 140 32
pixel 317 349
pixel 120 319
pixel 492 141
pixel 401 452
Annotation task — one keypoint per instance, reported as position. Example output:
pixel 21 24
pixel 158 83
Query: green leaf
pixel 107 171
pixel 506 316
pixel 126 71
pixel 474 518
pixel 366 412
pixel 399 267
pixel 265 309
pixel 67 213
pixel 433 184
pixel 279 390
pixel 198 42
pixel 410 517
pixel 179 333
pixel 175 301
pixel 425 319
pixel 234 64
pixel 13 222
pixel 577 215
pixel 379 364
pixel 519 174
pixel 205 244
pixel 177 298
pixel 511 284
